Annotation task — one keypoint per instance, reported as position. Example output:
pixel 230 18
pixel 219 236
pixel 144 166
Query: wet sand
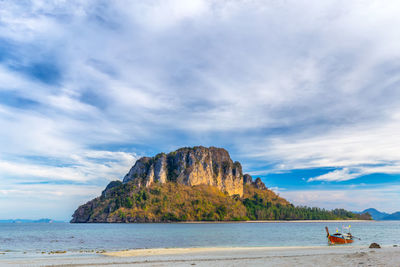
pixel 243 256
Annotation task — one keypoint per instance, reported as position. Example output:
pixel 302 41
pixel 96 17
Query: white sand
pixel 169 251
pixel 258 256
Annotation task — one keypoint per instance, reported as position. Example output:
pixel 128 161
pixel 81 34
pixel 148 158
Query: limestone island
pixel 194 184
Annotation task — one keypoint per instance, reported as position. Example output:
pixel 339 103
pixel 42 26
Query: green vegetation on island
pixel 173 202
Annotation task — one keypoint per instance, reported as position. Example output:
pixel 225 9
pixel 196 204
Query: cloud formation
pixel 336 175
pixel 355 199
pixel 87 86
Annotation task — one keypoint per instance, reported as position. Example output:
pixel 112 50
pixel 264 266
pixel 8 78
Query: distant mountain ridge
pixel 44 220
pixel 393 216
pixel 376 215
pixel 381 216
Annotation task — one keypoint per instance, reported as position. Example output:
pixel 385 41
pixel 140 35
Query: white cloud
pixel 383 198
pixel 90 165
pixel 44 200
pixel 40 189
pixel 365 148
pixel 336 175
pixel 160 15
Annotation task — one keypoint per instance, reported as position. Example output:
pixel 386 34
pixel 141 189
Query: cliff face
pixel 190 166
pixel 192 184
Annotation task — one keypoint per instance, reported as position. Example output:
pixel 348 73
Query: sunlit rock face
pixel 190 166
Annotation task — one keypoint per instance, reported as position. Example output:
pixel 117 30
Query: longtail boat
pixel 339 238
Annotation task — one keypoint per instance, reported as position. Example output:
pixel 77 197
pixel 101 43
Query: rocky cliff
pixel 190 166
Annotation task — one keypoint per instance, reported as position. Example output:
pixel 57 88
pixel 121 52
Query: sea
pixel 30 239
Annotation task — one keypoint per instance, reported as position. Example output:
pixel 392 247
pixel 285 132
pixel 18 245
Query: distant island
pixel 44 220
pixel 381 216
pixel 194 184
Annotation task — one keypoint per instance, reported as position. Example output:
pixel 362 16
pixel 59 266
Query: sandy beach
pixel 239 256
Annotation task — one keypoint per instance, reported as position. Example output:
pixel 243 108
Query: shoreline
pixel 213 222
pixel 279 221
pixel 179 251
pixel 227 256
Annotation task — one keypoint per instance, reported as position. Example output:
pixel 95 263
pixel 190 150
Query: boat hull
pixel 338 240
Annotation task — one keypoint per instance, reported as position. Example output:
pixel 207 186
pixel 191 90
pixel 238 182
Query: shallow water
pixel 35 238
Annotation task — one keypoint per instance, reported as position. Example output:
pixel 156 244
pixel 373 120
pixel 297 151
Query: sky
pixel 305 94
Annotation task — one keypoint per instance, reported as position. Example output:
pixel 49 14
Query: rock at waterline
pixel 374 245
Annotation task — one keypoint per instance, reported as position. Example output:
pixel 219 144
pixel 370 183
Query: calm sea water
pixel 34 238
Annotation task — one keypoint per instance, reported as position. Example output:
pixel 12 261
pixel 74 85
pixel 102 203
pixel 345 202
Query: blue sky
pixel 305 94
